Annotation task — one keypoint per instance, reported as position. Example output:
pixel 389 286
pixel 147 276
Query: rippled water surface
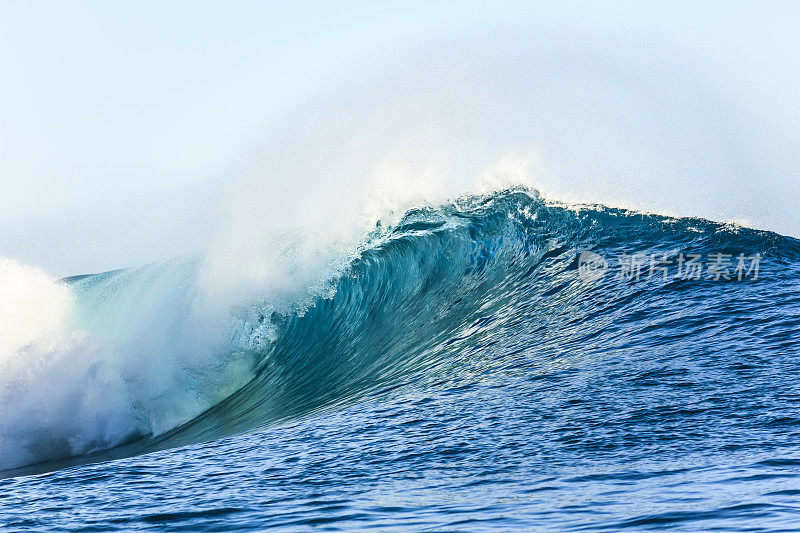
pixel 462 374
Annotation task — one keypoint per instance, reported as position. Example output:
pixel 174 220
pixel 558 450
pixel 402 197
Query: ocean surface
pixel 496 363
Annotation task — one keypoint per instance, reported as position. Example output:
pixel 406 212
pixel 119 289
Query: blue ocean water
pixel 466 371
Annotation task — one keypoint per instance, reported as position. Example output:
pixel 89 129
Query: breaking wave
pixel 145 358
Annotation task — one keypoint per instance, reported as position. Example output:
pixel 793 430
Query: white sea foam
pixel 58 393
pixel 86 366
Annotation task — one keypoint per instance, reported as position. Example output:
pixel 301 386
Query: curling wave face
pixel 485 289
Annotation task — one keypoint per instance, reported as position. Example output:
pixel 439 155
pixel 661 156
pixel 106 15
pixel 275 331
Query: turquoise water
pixel 462 373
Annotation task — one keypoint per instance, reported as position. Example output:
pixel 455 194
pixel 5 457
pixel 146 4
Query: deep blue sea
pixel 496 363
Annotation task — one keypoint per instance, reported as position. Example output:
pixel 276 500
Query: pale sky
pixel 121 122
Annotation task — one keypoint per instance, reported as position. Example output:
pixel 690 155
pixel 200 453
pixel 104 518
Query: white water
pixel 58 391
pixel 89 365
